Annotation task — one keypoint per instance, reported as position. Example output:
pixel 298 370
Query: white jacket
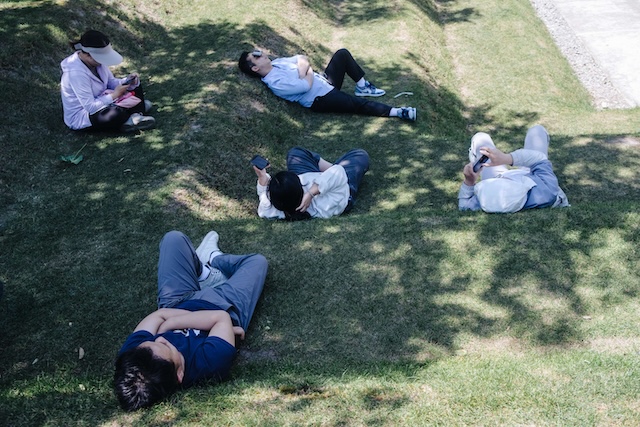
pixel 332 200
pixel 82 92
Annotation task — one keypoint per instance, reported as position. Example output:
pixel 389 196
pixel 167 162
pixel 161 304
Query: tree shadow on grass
pixel 346 13
pixel 384 284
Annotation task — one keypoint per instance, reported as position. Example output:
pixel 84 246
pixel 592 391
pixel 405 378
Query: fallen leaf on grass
pixel 73 158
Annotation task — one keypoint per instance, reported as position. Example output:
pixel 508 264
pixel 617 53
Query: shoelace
pixel 370 87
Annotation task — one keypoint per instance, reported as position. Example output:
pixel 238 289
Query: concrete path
pixel 610 31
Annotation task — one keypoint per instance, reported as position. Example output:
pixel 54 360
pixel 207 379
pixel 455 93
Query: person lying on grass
pixel 311 187
pixel 206 299
pixel 92 98
pixel 293 79
pixel 502 190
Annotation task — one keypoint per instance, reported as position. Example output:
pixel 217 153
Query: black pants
pixel 341 64
pixel 113 117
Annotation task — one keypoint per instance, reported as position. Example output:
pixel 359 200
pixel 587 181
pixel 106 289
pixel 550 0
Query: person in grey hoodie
pixel 92 98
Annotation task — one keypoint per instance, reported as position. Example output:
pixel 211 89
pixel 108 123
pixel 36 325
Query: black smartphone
pixel 259 162
pixel 482 160
pixel 129 80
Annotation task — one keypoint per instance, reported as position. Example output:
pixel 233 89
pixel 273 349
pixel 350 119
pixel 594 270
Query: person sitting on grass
pixel 293 79
pixel 311 187
pixel 92 98
pixel 502 190
pixel 206 298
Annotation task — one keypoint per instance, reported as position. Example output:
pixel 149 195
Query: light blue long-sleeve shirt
pixel 285 82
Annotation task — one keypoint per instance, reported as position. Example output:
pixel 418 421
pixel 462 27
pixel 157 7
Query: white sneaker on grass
pixel 408 113
pixel 138 122
pixel 369 90
pixel 207 251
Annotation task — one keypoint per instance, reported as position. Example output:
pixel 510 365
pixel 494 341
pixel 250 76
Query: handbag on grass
pixel 128 100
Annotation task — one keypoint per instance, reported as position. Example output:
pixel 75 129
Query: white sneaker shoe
pixel 138 122
pixel 408 113
pixel 207 251
pixel 369 90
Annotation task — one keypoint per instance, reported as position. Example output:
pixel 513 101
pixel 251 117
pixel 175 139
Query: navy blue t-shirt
pixel 205 357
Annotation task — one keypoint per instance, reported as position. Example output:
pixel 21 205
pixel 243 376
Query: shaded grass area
pixel 405 312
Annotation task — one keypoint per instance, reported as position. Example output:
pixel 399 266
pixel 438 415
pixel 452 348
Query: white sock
pixel 361 83
pixel 205 273
pixel 395 112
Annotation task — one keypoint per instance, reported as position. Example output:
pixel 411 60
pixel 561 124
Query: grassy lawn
pixel 404 312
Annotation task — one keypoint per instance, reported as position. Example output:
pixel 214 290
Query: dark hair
pixel 91 38
pixel 141 379
pixel 285 193
pixel 245 65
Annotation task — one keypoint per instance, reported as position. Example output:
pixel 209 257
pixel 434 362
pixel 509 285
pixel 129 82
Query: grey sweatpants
pixel 179 269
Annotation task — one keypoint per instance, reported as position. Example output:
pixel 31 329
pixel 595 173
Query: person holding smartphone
pixel 92 98
pixel 531 184
pixel 311 187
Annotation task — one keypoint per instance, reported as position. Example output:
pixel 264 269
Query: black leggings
pixel 113 116
pixel 339 102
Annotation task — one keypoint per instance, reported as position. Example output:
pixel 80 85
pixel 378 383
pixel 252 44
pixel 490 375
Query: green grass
pixel 404 312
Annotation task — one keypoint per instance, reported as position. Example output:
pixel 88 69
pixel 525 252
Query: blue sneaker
pixel 369 90
pixel 408 113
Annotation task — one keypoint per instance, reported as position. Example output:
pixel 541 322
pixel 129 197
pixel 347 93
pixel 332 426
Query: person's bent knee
pixel 172 236
pixel 260 261
pixel 480 135
pixel 538 129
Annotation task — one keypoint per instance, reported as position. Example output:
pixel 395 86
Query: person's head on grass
pixel 254 65
pixel 285 193
pixel 148 374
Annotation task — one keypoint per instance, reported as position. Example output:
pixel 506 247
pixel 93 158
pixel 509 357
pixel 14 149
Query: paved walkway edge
pixel 592 76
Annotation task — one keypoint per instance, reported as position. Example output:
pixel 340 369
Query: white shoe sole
pixel 370 94
pixel 142 125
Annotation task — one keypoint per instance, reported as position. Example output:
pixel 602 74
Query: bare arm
pixel 217 322
pixel 304 70
pixel 303 66
pixel 323 165
pixel 152 323
pixel 307 197
pixel 496 157
pixel 263 177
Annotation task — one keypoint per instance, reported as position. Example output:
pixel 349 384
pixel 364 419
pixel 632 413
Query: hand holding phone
pixel 259 162
pixel 129 80
pixel 481 161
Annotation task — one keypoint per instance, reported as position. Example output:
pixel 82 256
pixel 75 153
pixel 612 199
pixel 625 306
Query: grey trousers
pixel 179 269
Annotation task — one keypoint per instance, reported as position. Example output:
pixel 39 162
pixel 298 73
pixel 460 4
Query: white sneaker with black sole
pixel 138 122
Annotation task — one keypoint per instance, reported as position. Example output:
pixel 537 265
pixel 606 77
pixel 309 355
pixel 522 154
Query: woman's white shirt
pixel 332 200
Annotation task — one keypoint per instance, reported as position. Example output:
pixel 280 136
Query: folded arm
pixel 217 322
pixel 304 70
